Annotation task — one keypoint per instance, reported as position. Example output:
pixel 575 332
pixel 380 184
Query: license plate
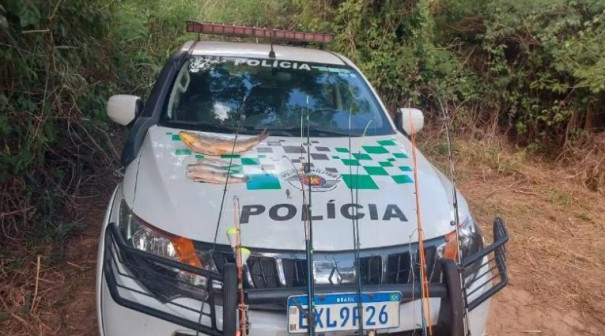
pixel 340 312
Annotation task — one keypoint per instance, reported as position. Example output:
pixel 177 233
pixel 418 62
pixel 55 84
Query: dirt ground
pixel 556 255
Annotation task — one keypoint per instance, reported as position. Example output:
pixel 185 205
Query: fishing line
pixel 136 182
pixel 456 214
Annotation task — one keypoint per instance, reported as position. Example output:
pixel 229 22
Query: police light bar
pixel 243 31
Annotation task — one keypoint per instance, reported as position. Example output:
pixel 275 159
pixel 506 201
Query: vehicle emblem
pixel 335 278
pixel 317 179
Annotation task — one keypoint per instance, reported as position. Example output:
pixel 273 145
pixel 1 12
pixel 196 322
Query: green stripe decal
pixel 250 161
pixel 182 151
pixel 401 179
pixel 387 143
pixel 348 162
pixel 362 156
pixel 359 181
pixel 262 182
pixel 376 170
pixel 375 149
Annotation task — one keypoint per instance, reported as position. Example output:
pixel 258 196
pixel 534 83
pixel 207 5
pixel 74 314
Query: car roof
pixel 259 50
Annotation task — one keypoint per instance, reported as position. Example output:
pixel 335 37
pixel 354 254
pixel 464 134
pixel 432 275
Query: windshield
pixel 221 94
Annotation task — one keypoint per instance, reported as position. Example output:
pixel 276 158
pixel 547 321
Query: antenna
pixel 272 52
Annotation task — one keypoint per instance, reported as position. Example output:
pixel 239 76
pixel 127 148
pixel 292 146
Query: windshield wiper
pixel 290 131
pixel 330 132
pixel 295 130
pixel 202 126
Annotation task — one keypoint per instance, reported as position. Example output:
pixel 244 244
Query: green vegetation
pixel 59 63
pixel 534 68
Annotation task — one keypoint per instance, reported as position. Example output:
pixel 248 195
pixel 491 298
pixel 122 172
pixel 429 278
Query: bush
pixel 59 62
pixel 536 67
pixel 542 64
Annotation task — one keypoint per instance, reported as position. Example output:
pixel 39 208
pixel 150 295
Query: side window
pixel 181 84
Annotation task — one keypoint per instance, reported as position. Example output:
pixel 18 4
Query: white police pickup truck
pixel 244 134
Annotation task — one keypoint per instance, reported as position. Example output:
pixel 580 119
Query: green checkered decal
pixel 376 165
pixel 373 166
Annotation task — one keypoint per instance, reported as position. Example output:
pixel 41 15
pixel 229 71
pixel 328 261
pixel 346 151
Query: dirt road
pixel 556 258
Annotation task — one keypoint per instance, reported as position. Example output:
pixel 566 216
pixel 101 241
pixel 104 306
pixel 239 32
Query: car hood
pixel 181 190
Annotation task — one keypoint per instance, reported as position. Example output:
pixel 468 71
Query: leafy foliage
pixel 541 64
pixel 59 62
pixel 534 67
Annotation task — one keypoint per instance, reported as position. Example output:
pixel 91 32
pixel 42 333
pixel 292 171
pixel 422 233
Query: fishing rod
pixel 240 119
pixel 309 233
pixel 452 168
pixel 355 225
pixel 425 307
pixel 310 313
pixel 308 221
pixel 241 256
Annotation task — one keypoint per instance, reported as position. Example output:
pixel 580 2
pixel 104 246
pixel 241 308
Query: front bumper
pixel 130 308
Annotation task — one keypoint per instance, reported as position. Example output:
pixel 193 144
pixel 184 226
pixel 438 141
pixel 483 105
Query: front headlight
pixel 471 241
pixel 148 238
pixel 143 236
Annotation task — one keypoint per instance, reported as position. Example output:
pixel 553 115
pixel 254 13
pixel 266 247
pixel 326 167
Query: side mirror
pixel 407 119
pixel 123 109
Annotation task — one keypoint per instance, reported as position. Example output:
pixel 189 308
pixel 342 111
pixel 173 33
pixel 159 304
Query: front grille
pixel 403 267
pixel 295 272
pixel 263 271
pixel 371 270
pixel 391 265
